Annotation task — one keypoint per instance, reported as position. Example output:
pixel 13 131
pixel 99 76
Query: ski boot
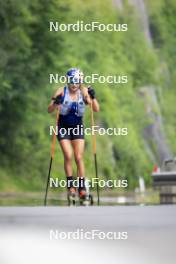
pixel 71 196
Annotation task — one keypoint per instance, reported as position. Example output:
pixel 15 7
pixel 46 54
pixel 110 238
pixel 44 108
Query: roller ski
pixel 71 196
pixel 85 198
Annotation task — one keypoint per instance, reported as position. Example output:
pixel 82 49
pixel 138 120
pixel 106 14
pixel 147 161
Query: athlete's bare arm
pixel 52 106
pixel 95 104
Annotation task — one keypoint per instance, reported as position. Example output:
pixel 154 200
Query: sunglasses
pixel 73 81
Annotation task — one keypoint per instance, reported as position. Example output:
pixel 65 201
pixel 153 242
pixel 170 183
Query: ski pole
pixel 51 159
pixel 94 145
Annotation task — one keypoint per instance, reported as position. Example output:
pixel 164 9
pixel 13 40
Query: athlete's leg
pixel 67 151
pixel 78 148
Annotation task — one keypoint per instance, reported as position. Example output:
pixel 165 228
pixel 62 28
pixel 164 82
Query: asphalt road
pixel 119 234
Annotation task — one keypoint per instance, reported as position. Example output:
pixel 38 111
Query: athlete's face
pixel 73 87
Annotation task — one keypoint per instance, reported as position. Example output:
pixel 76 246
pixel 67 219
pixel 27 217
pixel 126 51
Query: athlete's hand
pixel 91 92
pixel 57 100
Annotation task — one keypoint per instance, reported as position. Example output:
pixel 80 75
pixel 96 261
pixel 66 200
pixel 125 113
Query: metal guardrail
pixel 164 178
pixel 165 182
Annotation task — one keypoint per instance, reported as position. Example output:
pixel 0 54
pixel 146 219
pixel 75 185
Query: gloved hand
pixel 91 92
pixel 57 100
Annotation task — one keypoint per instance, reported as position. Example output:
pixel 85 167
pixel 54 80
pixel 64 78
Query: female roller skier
pixel 72 100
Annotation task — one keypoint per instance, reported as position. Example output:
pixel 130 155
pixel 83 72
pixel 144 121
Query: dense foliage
pixel 29 52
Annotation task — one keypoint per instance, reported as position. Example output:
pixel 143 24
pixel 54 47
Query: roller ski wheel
pixel 91 199
pixel 71 197
pixel 85 199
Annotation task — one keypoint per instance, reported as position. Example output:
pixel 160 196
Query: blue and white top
pixel 71 112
